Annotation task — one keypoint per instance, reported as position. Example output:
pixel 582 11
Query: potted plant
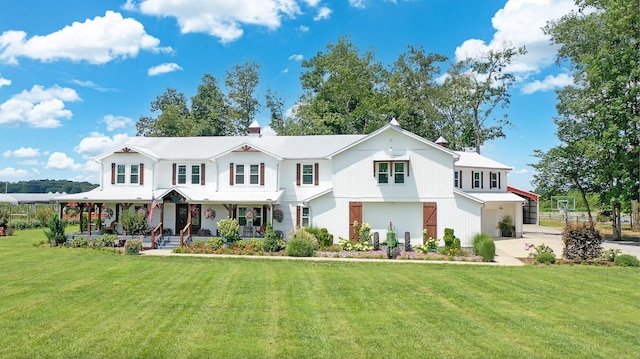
pixel 506 226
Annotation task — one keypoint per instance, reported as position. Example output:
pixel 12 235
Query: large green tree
pixel 241 82
pixel 478 86
pixel 415 95
pixel 173 116
pixel 210 110
pixel 343 92
pixel 601 43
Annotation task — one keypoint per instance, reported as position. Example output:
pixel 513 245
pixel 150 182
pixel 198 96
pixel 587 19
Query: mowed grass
pixel 78 303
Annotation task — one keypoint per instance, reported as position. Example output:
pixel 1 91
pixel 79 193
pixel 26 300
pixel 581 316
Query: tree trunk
pixel 586 203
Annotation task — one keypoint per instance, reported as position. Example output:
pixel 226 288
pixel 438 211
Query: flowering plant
pixel 107 212
pixel 209 213
pixel 195 211
pixel 278 215
pixel 250 214
pixel 142 211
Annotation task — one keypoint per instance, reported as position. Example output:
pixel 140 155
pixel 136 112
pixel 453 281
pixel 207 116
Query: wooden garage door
pixel 430 218
pixel 355 214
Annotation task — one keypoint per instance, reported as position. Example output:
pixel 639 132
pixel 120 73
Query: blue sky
pixel 76 75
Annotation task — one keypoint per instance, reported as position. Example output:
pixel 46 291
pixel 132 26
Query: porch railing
pixel 186 229
pixel 156 234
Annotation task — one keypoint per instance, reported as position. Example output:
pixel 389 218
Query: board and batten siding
pixel 430 171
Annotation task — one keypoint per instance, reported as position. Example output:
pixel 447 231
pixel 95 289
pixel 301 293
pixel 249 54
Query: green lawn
pixel 78 303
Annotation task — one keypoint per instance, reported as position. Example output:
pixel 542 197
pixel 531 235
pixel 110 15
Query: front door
pixel 182 216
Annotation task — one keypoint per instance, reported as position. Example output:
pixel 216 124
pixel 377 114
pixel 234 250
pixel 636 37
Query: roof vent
pixel 254 129
pixel 442 142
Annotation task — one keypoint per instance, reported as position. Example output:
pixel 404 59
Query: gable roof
pixel 212 147
pixel 393 126
pixel 475 160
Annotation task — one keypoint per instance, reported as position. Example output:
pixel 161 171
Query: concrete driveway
pixel 536 235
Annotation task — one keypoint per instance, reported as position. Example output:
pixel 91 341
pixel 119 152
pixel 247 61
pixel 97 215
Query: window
pixel 494 180
pixel 305 218
pixel 121 176
pixel 195 174
pixel 477 180
pixel 398 172
pixel 257 216
pixel 134 174
pixel 383 172
pixel 307 174
pixel 239 174
pixel 254 174
pixel 182 174
pixel 392 172
pixel 456 179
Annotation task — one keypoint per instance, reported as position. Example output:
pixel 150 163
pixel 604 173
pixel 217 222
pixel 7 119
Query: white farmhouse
pixel 389 178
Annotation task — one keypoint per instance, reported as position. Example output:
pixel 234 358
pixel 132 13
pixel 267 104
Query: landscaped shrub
pixel 581 241
pixel 133 246
pixel 610 254
pixel 477 239
pixel 79 242
pixel 4 217
pixel 229 229
pixel 214 243
pixel 542 248
pixel 105 240
pixel 484 246
pixel 133 222
pixel 55 232
pixel 452 246
pixel 271 241
pixel 348 245
pixel 301 244
pixel 43 214
pixel 323 236
pixel 546 258
pixel 627 260
pixel 198 244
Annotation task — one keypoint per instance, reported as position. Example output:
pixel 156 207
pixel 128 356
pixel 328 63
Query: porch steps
pixel 168 242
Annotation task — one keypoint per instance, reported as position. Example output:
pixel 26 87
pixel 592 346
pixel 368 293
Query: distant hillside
pixel 46 186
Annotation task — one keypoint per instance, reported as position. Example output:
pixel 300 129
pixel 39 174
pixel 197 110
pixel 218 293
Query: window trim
pixel 304 176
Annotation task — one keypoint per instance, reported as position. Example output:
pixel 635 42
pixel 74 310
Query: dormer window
pixel 391 172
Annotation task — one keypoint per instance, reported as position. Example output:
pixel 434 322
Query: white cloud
pixel 522 171
pixel 114 122
pixel 39 107
pixel 548 84
pixel 22 152
pixel 323 14
pixel 519 23
pixel 12 172
pixel 4 82
pixel 222 19
pixel 97 41
pixel 163 69
pixel 296 57
pixel 60 161
pixel 90 84
pixel 303 28
pixel 98 143
pixel 357 3
pixel 312 3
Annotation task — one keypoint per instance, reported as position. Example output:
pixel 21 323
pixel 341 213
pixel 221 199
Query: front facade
pixel 390 178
